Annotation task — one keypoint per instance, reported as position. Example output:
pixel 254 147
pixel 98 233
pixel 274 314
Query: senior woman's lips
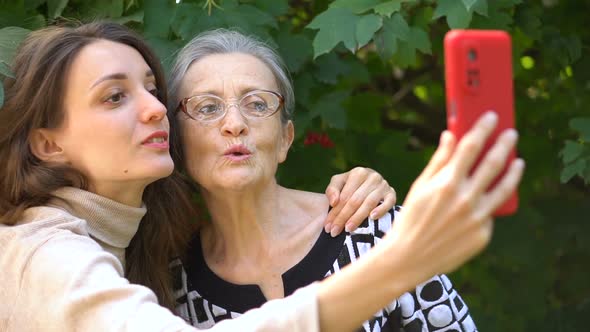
pixel 237 153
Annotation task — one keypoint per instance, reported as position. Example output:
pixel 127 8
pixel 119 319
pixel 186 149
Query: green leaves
pixel 400 41
pixel 273 7
pixel 294 48
pixel 418 40
pixel 157 15
pixel 5 70
pixel 335 25
pixel 576 155
pixel 366 28
pixel 582 125
pixel 10 38
pixel 55 7
pixel 191 19
pixel 459 13
pixel 394 28
pixel 458 16
pixel 355 6
pixel 346 22
pixel 330 109
pixel 565 49
pixel 389 7
pixel 103 8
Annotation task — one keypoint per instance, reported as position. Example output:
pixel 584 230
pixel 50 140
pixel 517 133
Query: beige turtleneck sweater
pixel 61 269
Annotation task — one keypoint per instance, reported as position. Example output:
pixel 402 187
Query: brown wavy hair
pixel 34 99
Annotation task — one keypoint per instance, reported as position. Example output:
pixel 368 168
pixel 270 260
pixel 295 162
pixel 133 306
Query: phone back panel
pixel 478 75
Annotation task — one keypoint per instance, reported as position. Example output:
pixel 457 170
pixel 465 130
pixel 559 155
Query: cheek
pixel 100 140
pixel 270 140
pixel 196 146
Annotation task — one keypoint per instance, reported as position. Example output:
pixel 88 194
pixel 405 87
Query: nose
pixel 234 123
pixel 151 109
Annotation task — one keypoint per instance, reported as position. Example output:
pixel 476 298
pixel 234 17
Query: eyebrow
pixel 118 76
pixel 244 90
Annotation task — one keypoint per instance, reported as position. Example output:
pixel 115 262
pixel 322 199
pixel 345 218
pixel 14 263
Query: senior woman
pixel 264 241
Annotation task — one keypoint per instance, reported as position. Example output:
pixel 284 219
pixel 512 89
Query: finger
pixel 361 214
pixel 472 143
pixel 507 185
pixel 388 203
pixel 333 215
pixel 354 203
pixel 335 187
pixel 494 162
pixel 357 178
pixel 360 181
pixel 441 156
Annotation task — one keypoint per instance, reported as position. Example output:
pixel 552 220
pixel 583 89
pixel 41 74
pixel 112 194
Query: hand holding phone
pixel 478 75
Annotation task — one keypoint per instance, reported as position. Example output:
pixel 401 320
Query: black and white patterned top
pixel 204 299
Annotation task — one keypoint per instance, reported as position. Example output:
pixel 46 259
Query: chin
pixel 239 182
pixel 159 169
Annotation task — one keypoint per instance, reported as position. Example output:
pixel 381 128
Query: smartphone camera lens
pixel 472 55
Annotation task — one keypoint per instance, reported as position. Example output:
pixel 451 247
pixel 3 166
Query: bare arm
pixel 447 210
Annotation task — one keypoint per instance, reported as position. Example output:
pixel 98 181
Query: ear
pixel 287 140
pixel 44 146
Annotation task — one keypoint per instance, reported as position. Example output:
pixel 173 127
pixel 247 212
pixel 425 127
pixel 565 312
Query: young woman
pixel 84 139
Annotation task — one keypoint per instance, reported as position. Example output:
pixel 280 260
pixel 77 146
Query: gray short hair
pixel 223 41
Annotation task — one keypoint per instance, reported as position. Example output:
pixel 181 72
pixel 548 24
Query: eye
pixel 205 107
pixel 260 104
pixel 257 106
pixel 155 92
pixel 255 103
pixel 115 98
pixel 209 109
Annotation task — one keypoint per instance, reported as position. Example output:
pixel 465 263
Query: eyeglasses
pixel 254 104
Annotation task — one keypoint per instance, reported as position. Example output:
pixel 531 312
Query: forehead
pixel 104 57
pixel 236 70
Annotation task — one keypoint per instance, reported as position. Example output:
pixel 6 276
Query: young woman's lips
pixel 157 140
pixel 237 153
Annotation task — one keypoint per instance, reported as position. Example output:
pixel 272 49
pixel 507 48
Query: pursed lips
pixel 237 153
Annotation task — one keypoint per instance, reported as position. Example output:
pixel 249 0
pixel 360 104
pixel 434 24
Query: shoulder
pixel 48 241
pixel 47 219
pixel 378 227
pixel 308 201
pixel 48 255
pixel 38 227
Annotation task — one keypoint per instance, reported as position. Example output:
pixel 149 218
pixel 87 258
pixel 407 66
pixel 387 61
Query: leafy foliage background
pixel 369 84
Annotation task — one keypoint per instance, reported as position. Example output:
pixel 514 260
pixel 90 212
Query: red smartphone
pixel 478 78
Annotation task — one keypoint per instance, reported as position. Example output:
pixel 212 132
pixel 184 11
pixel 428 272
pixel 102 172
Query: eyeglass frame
pixel 183 102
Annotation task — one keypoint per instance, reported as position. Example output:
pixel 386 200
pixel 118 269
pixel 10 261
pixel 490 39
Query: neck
pixel 246 225
pixel 128 193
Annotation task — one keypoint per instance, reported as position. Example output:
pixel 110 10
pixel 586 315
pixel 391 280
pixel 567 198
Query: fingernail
pixel 328 227
pixel 335 231
pixel 512 134
pixel 444 137
pixel 373 215
pixel 348 227
pixel 490 118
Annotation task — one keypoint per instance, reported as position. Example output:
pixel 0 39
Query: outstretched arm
pixel 446 211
